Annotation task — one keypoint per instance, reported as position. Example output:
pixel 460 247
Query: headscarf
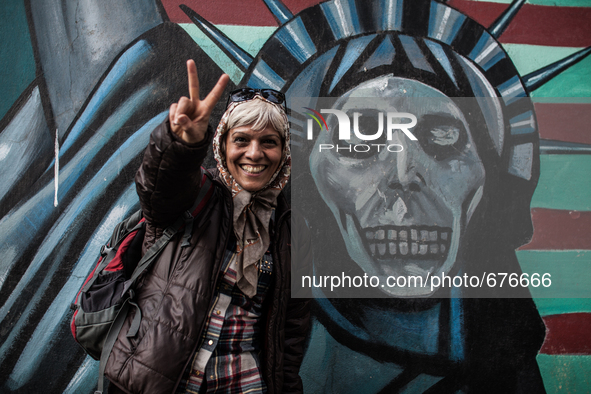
pixel 252 210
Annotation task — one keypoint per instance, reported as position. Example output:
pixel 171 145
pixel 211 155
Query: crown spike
pixel 504 20
pixel 229 47
pixel 280 12
pixel 535 79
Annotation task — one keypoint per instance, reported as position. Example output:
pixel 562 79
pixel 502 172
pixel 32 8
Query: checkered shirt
pixel 228 357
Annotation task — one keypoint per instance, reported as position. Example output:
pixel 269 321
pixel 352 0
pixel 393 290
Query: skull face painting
pixel 402 212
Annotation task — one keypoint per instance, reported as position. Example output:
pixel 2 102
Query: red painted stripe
pixel 568 333
pixel 560 230
pixel 232 12
pixel 535 24
pixel 564 122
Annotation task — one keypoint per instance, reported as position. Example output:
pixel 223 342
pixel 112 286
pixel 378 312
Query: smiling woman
pixel 206 325
pixel 253 156
pixel 253 148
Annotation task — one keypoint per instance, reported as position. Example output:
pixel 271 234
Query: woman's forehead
pixel 247 129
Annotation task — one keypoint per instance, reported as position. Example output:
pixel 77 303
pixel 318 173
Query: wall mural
pixel 85 83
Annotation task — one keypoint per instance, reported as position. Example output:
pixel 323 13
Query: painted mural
pixel 84 83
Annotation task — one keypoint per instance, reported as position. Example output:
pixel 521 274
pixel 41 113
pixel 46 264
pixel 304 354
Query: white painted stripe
pixel 56 167
pixel 486 52
pixel 443 24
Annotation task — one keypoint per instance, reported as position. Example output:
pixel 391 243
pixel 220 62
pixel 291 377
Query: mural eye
pixel 445 135
pixel 441 136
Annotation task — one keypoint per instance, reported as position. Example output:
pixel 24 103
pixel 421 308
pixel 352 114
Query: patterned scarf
pixel 252 210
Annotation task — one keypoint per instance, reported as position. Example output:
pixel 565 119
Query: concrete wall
pixel 84 82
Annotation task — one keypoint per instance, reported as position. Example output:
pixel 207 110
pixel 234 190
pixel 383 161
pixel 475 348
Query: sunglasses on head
pixel 246 94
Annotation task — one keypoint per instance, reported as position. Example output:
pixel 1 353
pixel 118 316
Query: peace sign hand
pixel 190 116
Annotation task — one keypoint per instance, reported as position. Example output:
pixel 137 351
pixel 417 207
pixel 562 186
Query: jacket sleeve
pixel 297 323
pixel 168 179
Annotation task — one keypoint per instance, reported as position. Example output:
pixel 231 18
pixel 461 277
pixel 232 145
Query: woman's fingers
pixel 193 81
pixel 209 102
pixel 190 116
pixel 184 107
pixel 172 117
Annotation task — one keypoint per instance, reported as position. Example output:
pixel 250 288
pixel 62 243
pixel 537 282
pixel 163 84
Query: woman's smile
pixel 252 169
pixel 252 156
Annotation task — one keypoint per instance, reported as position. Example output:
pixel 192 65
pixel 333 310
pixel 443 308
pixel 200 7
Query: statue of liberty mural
pixel 457 200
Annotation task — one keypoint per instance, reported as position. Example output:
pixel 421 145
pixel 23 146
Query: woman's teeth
pixel 252 169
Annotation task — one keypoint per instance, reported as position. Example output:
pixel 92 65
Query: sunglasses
pixel 246 94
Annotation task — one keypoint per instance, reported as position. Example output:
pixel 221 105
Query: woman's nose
pixel 254 151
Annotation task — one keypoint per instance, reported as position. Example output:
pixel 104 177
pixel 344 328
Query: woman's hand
pixel 190 116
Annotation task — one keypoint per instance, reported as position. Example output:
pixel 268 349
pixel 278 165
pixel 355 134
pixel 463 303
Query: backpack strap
pixel 147 260
pixel 122 230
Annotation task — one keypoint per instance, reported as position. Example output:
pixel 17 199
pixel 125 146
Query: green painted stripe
pixel 565 374
pixel 559 3
pixel 528 58
pixel 565 183
pixel 557 306
pixel 573 82
pixel 569 272
pixel 249 38
pixel 562 100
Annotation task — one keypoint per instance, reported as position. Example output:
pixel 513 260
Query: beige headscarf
pixel 252 210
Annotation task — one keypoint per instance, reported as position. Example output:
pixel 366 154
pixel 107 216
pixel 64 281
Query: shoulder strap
pixel 144 263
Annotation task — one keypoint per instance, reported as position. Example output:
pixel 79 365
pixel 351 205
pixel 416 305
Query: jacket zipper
pixel 217 277
pixel 268 328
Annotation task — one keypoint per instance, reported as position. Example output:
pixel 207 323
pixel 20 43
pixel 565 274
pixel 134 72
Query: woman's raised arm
pixel 168 179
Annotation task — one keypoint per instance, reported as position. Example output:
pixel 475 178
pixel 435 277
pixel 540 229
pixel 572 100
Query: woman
pixel 217 315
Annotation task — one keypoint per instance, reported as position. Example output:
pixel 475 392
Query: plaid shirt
pixel 228 357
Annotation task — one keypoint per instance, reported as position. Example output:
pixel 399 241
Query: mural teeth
pixel 391 234
pixel 403 234
pixel 433 236
pixel 424 235
pixel 392 247
pixel 380 234
pixel 423 249
pixel 403 248
pixel 382 241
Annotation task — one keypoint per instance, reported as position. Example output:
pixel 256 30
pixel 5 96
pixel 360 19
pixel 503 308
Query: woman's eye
pixel 445 135
pixel 270 142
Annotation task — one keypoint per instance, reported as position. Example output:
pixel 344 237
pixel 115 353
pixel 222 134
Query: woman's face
pixel 252 156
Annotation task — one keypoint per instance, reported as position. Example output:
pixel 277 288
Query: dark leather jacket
pixel 176 294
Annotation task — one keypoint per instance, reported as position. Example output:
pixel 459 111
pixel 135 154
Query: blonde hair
pixel 258 114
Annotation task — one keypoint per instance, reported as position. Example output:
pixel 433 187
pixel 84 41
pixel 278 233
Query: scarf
pixel 252 210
